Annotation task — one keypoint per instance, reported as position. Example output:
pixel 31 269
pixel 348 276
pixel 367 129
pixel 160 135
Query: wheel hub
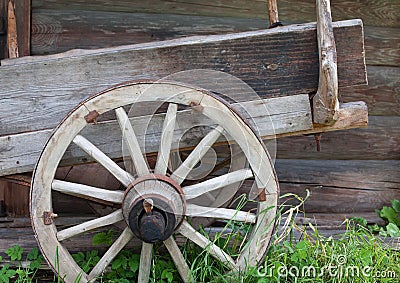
pixel 153 207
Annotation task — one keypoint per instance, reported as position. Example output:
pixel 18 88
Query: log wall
pixel 368 158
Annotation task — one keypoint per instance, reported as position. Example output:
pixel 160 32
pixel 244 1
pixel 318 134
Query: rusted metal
pixel 92 117
pixel 196 106
pixel 317 138
pixel 48 217
pixel 261 195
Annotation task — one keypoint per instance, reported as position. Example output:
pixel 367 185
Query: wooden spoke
pixel 220 213
pixel 124 177
pixel 87 191
pixel 195 156
pixel 196 190
pixel 90 225
pixel 189 232
pixel 166 140
pixel 111 253
pixel 145 263
pixel 178 258
pixel 132 142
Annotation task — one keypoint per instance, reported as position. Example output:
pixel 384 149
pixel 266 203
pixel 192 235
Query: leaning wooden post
pixel 12 39
pixel 325 102
pixel 273 14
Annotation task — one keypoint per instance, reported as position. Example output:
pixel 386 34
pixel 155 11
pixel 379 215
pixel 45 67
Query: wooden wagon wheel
pixel 153 200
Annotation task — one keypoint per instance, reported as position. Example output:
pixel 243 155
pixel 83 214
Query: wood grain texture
pixel 23 15
pixel 341 186
pixel 373 12
pixel 287 114
pixel 55 31
pixel 23 106
pixel 325 101
pixel 382 94
pixel 380 141
pixel 382 46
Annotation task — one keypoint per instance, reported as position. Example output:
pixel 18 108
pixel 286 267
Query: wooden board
pixel 55 31
pixel 23 15
pixel 373 12
pixel 23 27
pixel 382 46
pixel 19 153
pixel 339 185
pixel 380 141
pixel 45 91
pixel 382 94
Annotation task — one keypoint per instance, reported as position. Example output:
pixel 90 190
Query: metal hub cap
pixel 153 207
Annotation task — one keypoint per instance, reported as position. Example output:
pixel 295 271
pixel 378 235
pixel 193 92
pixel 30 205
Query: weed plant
pixel 296 254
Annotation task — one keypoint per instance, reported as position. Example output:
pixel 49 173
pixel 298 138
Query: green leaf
pixel 120 261
pixel 10 273
pixel 390 215
pixel 167 274
pixel 393 230
pixel 359 220
pixel 79 257
pixel 396 205
pixel 15 252
pixel 33 254
pixel 133 262
pixel 106 238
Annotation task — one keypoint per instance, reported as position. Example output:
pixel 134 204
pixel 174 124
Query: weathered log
pixel 382 94
pixel 286 114
pixel 293 120
pixel 325 101
pixel 380 141
pixel 382 46
pixel 55 31
pixel 341 186
pixel 373 12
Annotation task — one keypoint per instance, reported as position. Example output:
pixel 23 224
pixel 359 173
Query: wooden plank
pixel 12 35
pixel 382 46
pixel 380 141
pixel 373 175
pixel 3 28
pixel 23 15
pixel 325 101
pixel 382 94
pixel 338 186
pixel 34 103
pixel 55 31
pixel 373 12
pixel 15 158
pixel 287 114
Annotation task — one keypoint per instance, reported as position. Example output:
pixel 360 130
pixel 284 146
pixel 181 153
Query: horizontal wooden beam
pixel 382 92
pixel 374 13
pixel 341 185
pixel 275 116
pixel 274 62
pixel 379 141
pixel 55 31
pixel 287 116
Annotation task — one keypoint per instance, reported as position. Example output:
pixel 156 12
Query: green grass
pixel 356 255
